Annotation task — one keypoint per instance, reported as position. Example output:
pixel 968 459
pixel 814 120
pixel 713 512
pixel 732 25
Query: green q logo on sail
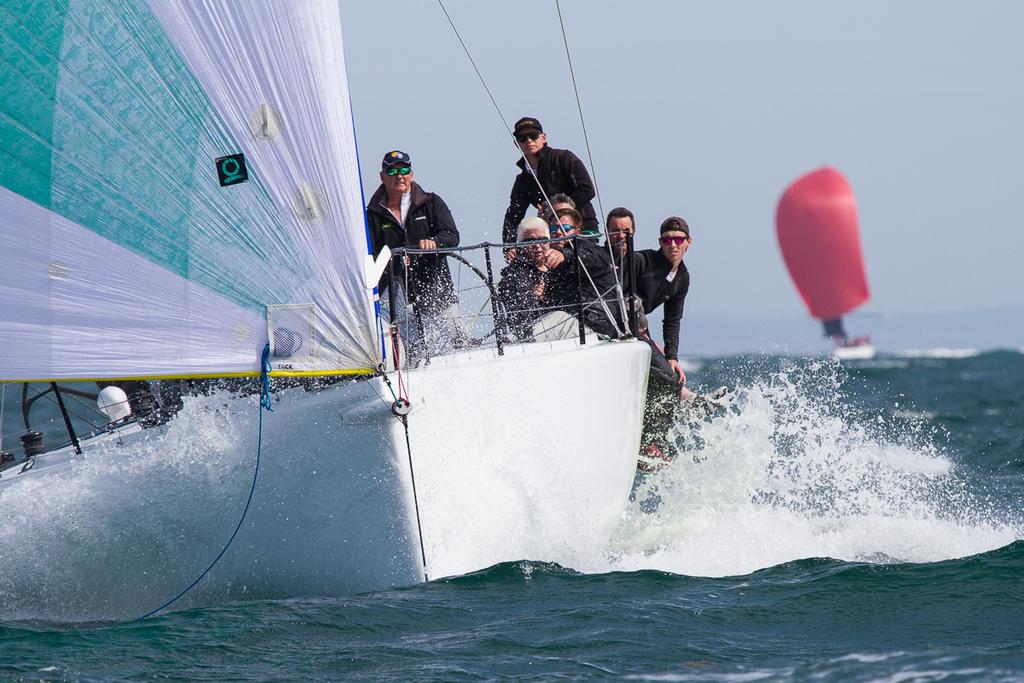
pixel 231 170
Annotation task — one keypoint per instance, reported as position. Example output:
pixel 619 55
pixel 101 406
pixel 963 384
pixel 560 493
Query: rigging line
pixel 3 404
pixel 403 389
pixel 590 155
pixel 252 489
pixel 501 116
pixel 53 401
pixel 415 498
pixel 579 107
pixel 475 68
pixel 526 162
pixel 412 479
pixel 264 385
pixel 593 286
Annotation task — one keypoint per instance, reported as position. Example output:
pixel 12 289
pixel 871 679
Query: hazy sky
pixel 709 109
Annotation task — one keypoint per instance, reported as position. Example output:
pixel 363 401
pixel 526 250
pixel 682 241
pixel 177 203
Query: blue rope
pixel 264 403
pixel 265 369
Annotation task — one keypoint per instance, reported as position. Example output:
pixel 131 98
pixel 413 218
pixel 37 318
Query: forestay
pixel 134 240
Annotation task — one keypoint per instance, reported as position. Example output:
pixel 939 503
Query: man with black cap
pixel 662 278
pixel 557 170
pixel 402 214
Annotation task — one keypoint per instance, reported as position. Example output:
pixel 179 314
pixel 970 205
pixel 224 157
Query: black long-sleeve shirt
pixel 654 289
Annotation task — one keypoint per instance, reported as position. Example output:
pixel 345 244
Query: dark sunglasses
pixel 678 241
pixel 554 229
pixel 527 136
pixel 399 170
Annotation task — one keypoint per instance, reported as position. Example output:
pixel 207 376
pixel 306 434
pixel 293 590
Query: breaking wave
pixel 790 470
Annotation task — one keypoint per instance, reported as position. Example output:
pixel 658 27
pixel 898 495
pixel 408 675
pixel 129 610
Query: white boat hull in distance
pixel 527 456
pixel 854 352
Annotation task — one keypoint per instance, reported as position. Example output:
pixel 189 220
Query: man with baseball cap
pixel 556 170
pixel 662 278
pixel 402 214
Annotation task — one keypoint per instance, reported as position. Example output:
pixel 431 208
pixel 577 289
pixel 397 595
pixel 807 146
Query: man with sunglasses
pixel 662 278
pixel 556 170
pixel 620 224
pixel 595 281
pixel 523 289
pixel 402 214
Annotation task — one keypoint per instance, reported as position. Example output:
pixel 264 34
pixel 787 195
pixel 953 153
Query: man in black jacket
pixel 525 289
pixel 594 283
pixel 402 214
pixel 662 278
pixel 558 170
pixel 620 225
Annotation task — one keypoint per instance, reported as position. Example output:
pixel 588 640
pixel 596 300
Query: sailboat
pixel 180 199
pixel 816 225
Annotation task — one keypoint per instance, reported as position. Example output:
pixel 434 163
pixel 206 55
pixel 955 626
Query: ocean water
pixel 859 523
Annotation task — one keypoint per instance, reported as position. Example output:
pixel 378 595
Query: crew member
pixel 589 275
pixel 662 278
pixel 523 289
pixel 621 225
pixel 402 214
pixel 557 170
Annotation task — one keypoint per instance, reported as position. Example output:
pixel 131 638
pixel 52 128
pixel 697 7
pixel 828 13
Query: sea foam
pixel 790 470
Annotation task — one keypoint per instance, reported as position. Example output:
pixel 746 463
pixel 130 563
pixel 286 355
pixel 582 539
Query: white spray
pixel 86 545
pixel 790 471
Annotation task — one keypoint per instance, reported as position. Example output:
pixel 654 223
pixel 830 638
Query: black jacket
pixel 559 170
pixel 655 290
pixel 597 264
pixel 430 281
pixel 565 288
pixel 516 292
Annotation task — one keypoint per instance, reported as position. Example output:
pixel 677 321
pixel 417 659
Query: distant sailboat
pixel 816 223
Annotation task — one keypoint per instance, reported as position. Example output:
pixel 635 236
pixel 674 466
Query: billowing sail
pixel 178 186
pixel 816 222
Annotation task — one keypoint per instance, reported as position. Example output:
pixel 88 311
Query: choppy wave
pixel 803 620
pixel 790 471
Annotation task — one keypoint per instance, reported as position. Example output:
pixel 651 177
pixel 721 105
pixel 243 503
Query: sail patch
pixel 231 170
pixel 291 329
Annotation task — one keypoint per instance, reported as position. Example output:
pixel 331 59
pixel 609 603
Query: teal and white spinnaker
pixel 123 254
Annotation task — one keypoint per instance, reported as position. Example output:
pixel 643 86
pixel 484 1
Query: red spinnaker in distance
pixel 817 227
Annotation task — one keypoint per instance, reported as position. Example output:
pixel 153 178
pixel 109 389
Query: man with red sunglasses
pixel 662 278
pixel 556 170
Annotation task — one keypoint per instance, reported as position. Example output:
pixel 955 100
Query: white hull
pixel 530 456
pixel 857 352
